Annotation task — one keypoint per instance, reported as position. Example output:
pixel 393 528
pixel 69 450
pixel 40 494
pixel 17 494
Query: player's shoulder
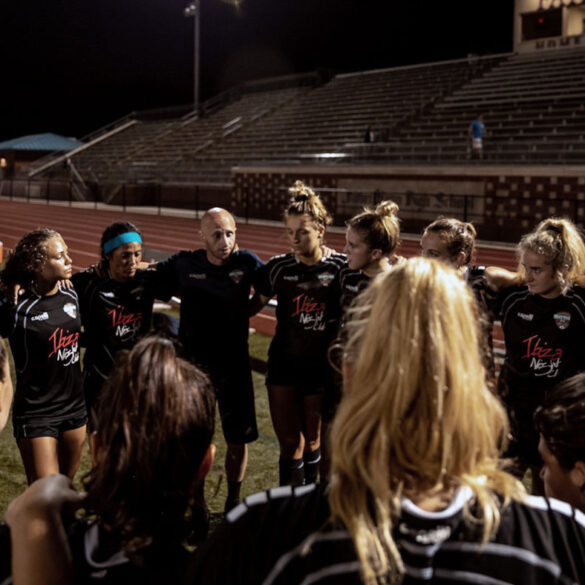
pixel 516 292
pixel 247 258
pixel 186 255
pixel 347 274
pixel 86 280
pixel 306 501
pixel 337 260
pixel 282 260
pixel 577 291
pixel 183 260
pixel 551 519
pixel 67 294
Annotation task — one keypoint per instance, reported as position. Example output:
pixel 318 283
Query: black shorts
pixel 234 390
pixel 309 376
pixel 34 429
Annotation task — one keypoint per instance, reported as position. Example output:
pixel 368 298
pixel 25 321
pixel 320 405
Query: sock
pixel 311 460
pixel 291 471
pixel 233 497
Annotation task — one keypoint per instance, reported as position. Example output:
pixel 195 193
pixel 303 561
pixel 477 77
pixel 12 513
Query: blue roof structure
pixel 48 141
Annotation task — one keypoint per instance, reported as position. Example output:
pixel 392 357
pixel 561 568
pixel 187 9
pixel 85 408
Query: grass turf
pixel 262 472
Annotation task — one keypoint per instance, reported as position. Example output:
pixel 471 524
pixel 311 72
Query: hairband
pixel 120 240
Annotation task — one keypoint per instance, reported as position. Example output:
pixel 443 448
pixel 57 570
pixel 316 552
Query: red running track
pixel 82 229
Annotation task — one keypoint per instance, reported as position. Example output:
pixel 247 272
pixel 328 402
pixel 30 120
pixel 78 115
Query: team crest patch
pixel 562 320
pixel 71 310
pixel 326 278
pixel 236 275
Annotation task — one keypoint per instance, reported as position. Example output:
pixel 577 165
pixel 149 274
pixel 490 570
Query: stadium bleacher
pixel 533 108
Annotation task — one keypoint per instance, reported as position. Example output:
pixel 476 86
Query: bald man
pixel 214 285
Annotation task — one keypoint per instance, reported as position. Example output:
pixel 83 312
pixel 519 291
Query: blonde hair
pixel 304 201
pixel 416 413
pixel 379 228
pixel 457 235
pixel 560 242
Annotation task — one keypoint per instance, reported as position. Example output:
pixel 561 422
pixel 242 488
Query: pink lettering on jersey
pixel 63 340
pixel 306 304
pixel 536 348
pixel 544 361
pixel 120 318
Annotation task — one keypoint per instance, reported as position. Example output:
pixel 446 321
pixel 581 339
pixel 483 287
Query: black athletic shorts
pixel 309 376
pixel 34 429
pixel 232 380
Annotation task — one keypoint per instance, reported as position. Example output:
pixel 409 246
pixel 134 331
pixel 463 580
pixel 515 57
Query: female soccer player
pixel 417 492
pixel 49 414
pixel 560 422
pixel 544 325
pixel 116 307
pixel 453 242
pixel 307 313
pixel 371 241
pixel 372 238
pixel 153 448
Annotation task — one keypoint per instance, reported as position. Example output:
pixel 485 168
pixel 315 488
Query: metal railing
pixel 496 217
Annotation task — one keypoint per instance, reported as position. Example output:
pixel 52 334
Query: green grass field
pixel 262 470
pixel 262 463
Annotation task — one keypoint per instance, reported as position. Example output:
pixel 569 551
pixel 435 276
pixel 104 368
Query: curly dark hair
pixel 155 423
pixel 26 259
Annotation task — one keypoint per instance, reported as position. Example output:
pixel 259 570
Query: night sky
pixel 71 66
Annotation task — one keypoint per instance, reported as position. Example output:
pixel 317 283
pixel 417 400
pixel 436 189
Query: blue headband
pixel 120 240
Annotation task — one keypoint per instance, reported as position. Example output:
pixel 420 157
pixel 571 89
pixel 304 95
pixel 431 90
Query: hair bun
pixel 387 209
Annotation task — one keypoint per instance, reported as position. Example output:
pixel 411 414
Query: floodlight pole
pixel 193 9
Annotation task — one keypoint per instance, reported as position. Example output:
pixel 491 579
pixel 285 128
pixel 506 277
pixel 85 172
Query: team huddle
pixel 381 383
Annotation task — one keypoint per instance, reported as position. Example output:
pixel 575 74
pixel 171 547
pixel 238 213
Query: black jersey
pixel 114 316
pixel 150 566
pixel 44 337
pixel 282 537
pixel 351 284
pixel 544 342
pixel 214 301
pixel 307 314
pixel 486 300
pixel 96 562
